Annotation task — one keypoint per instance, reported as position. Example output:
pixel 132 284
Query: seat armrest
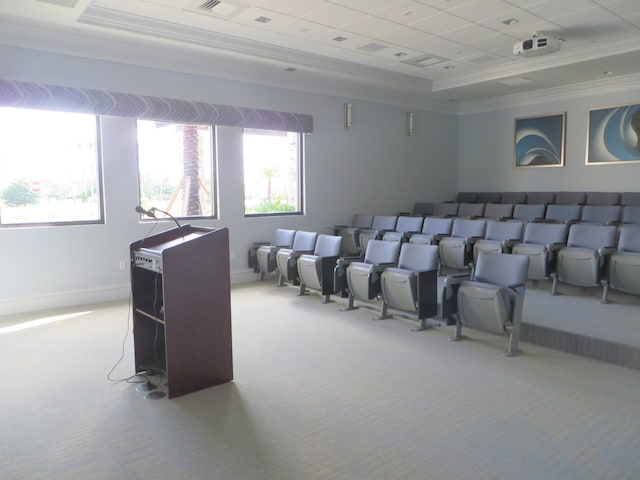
pixel 604 251
pixel 554 247
pixel 456 278
pixel 259 244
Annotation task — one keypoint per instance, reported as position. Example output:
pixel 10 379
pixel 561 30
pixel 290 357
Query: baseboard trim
pixel 34 303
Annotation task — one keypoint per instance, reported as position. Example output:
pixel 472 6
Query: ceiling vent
pixel 425 61
pixel 219 8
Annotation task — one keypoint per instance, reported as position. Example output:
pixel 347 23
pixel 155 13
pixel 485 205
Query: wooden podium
pixel 182 307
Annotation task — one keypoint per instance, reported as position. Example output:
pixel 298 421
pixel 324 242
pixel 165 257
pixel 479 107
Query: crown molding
pixel 557 94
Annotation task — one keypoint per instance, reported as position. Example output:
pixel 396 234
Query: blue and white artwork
pixel 540 141
pixel 614 135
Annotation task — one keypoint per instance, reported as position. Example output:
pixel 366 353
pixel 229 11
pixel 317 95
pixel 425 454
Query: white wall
pixel 486 150
pixel 372 168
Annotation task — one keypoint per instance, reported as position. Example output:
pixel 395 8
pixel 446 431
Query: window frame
pixel 99 179
pixel 215 208
pixel 300 179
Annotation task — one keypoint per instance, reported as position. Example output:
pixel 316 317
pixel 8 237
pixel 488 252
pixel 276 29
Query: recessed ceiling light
pixel 406 13
pixel 609 72
pixel 400 54
pixel 263 19
pixel 448 67
pixel 340 39
pixel 510 21
pixel 290 69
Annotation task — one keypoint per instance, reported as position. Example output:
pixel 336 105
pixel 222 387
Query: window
pixel 272 172
pixel 176 168
pixel 50 171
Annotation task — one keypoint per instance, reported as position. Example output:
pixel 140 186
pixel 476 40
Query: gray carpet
pixel 318 394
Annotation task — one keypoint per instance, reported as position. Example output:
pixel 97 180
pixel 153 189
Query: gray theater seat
pixel 363 278
pixel 603 198
pixel 470 210
pixel 445 209
pixel 564 213
pixel 316 270
pixel 570 198
pixel 540 197
pixel 287 258
pixel 624 264
pixel 499 237
pixel 351 233
pixel 493 298
pixel 405 227
pixel 433 229
pixel 582 261
pixel 601 214
pixel 541 243
pixel 266 253
pixel 513 197
pixel 489 197
pixel 630 198
pixel 498 211
pixel 467 197
pixel 529 212
pixel 412 286
pixel 422 208
pixel 380 225
pixel 631 214
pixel 456 250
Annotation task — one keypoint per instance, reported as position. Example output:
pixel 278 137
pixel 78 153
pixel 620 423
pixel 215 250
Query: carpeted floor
pixel 317 394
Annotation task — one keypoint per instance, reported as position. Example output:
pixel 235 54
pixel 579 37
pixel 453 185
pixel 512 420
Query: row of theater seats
pixel 528 212
pixel 610 253
pixel 580 198
pixel 404 276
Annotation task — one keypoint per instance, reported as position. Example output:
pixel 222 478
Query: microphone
pixel 148 213
pixel 154 209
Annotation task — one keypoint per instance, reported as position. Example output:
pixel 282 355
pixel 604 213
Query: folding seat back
pixel 363 278
pixel 470 210
pixel 380 225
pixel 603 198
pixel 405 226
pixel 456 250
pixel 422 208
pixel 287 258
pixel 433 229
pixel 564 213
pixel 445 209
pixel 529 212
pixel 266 254
pixel 540 243
pixel 513 197
pixel 540 197
pixel 361 221
pixel 630 198
pixel 492 300
pixel 316 270
pixel 412 285
pixel 499 237
pixel 467 197
pixel 498 211
pixel 600 214
pixel 582 261
pixel 488 197
pixel 624 264
pixel 631 214
pixel 570 198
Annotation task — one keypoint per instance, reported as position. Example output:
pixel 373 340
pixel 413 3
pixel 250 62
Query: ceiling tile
pixel 468 34
pixel 624 7
pixel 287 7
pixel 366 25
pixel 406 12
pixel 401 36
pixel 442 22
pixel 587 17
pixel 445 4
pixel 554 8
pixel 443 47
pixel 366 6
pixel 333 15
pixel 250 16
pixel 479 10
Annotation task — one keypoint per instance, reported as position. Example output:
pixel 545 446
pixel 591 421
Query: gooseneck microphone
pixel 152 213
pixel 148 213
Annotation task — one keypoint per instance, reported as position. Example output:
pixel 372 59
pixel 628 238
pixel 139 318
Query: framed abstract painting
pixel 539 141
pixel 613 135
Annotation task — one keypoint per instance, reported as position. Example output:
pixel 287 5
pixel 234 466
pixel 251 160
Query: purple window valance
pixel 99 102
